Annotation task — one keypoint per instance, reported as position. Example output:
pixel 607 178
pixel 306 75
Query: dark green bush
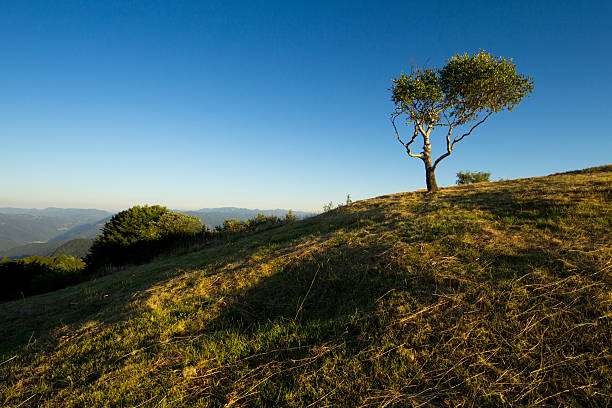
pixel 468 177
pixel 174 223
pixel 258 222
pixel 262 221
pixel 36 274
pixel 138 234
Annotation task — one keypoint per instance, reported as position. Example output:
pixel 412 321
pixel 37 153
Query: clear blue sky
pixel 266 104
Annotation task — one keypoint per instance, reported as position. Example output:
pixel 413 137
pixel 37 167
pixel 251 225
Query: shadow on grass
pixel 110 298
pixel 330 299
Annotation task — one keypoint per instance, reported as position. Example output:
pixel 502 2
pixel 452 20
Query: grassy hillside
pixel 494 294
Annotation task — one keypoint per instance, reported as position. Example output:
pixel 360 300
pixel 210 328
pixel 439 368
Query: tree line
pixel 132 236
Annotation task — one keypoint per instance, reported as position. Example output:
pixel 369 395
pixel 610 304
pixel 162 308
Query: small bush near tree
pixel 468 177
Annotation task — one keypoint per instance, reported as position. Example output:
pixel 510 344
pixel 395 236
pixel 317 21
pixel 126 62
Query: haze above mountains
pixel 53 231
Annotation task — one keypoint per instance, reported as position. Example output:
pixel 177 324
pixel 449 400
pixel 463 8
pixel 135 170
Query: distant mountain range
pixel 53 231
pixel 21 226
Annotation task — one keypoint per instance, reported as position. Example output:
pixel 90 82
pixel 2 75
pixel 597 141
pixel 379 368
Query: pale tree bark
pixel 425 155
pixel 430 175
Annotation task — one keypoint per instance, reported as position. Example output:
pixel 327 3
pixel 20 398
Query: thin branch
pixel 406 145
pixel 450 146
pixel 458 139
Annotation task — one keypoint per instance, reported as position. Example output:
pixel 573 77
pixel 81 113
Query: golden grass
pixel 495 294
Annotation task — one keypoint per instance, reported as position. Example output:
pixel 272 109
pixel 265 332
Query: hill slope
pixel 494 294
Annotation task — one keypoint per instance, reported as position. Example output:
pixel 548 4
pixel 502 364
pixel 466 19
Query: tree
pixel 459 96
pixel 132 225
pixel 124 237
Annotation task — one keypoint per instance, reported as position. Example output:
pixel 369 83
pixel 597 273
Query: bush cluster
pixel 258 222
pixel 139 234
pixel 468 177
pixel 133 236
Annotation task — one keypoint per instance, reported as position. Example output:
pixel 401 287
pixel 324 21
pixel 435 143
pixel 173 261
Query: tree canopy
pixel 133 235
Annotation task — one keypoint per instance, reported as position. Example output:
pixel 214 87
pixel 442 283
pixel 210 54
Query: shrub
pixel 262 221
pixel 138 234
pixel 36 274
pixel 468 177
pixel 290 217
pixel 234 226
pixel 253 224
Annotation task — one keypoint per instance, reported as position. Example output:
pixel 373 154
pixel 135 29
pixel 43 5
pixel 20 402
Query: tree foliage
pixel 139 233
pixel 174 223
pixel 132 225
pixel 461 95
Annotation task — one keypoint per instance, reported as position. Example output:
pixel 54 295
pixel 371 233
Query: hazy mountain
pixel 78 214
pixel 90 230
pixel 27 228
pixel 77 248
pixel 6 243
pixel 38 248
pixel 21 226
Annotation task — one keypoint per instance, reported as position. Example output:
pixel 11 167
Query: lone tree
pixel 459 96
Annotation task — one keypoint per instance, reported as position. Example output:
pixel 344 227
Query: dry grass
pixel 495 294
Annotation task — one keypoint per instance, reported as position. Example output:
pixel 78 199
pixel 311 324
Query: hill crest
pixel 496 294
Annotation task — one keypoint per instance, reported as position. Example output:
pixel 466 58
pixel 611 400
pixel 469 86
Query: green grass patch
pixel 492 294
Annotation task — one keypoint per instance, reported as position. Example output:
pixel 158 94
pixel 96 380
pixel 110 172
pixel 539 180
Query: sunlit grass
pixel 494 294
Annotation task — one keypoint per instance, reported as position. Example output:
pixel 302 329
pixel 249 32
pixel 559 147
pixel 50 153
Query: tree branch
pixel 458 139
pixel 450 146
pixel 406 145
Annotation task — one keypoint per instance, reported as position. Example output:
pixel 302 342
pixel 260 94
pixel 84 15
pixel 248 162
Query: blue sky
pixel 277 104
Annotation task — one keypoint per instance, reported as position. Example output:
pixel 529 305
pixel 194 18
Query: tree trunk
pixel 430 177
